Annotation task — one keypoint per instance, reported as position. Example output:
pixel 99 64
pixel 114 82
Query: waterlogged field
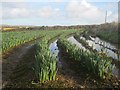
pixel 30 63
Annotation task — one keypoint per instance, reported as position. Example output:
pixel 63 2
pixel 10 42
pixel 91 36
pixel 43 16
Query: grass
pixel 108 32
pixel 110 36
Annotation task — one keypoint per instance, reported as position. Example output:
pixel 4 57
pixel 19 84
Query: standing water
pixel 55 51
pixel 74 41
pixel 95 44
pixel 108 48
pixel 99 45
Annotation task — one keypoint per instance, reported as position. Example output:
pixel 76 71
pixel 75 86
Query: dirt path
pixel 9 63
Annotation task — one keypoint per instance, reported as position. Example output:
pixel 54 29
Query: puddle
pixel 97 40
pixel 95 44
pixel 99 45
pixel 116 71
pixel 74 41
pixel 28 47
pixel 55 51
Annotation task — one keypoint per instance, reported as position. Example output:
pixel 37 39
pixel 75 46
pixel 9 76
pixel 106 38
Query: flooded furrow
pixel 100 45
pixel 55 51
pixel 74 41
pixel 116 70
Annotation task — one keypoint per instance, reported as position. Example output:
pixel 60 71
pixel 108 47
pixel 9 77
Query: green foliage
pixel 108 31
pixel 94 63
pixel 15 38
pixel 110 36
pixel 45 64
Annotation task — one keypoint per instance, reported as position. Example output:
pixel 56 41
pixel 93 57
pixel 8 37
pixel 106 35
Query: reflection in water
pixel 102 42
pixel 54 51
pixel 99 45
pixel 74 41
pixel 116 71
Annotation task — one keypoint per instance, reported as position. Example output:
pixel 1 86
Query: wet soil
pixel 84 78
pixel 18 73
pixel 13 60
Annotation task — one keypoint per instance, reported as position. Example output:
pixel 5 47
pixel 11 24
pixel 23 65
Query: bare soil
pixel 11 60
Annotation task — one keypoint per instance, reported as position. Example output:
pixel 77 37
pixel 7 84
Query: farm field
pixel 59 44
pixel 43 59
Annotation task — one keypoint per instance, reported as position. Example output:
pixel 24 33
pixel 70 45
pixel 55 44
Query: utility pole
pixel 106 16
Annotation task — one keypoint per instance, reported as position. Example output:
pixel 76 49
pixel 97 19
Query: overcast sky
pixel 58 12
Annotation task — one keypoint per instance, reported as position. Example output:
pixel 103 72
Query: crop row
pixel 15 38
pixel 84 43
pixel 45 64
pixel 93 62
pixel 45 67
